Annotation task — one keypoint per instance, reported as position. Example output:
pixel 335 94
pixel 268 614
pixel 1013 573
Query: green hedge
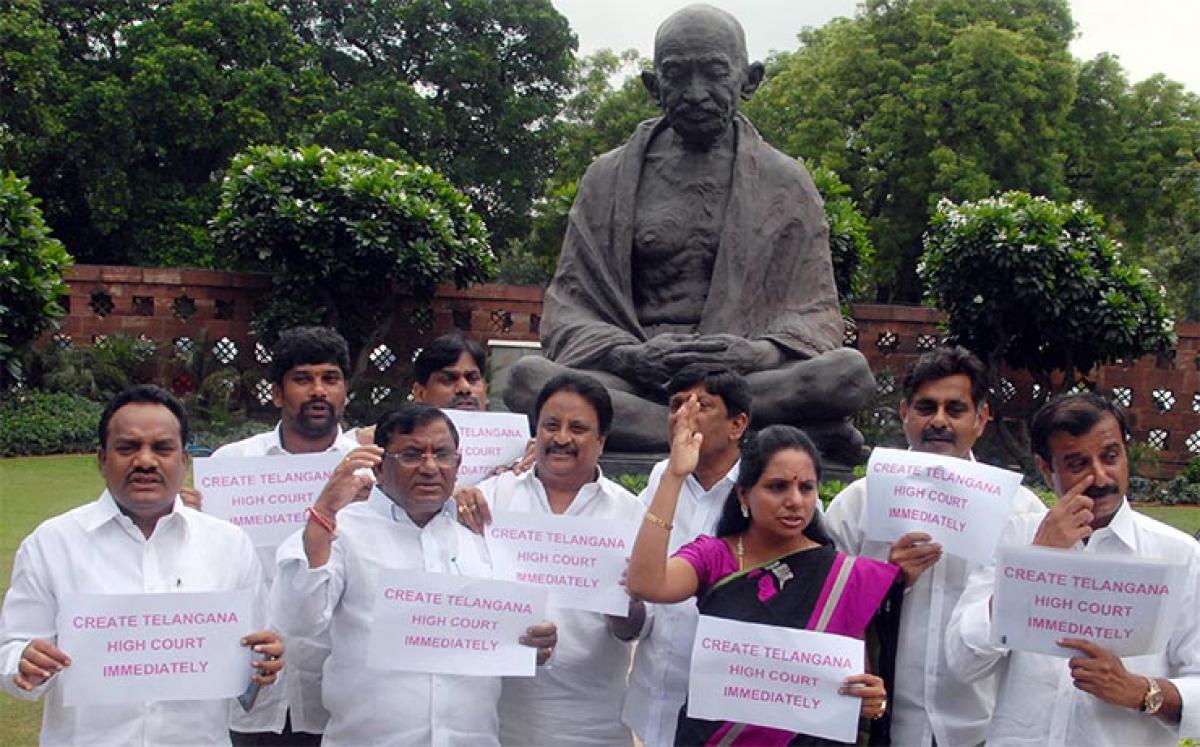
pixel 36 422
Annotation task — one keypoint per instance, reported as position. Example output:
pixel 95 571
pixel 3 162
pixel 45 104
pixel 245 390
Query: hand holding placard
pixel 1044 595
pixel 777 677
pixel 959 504
pixel 40 661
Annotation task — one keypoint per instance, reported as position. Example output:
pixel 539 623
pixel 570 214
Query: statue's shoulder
pixel 605 165
pixel 775 166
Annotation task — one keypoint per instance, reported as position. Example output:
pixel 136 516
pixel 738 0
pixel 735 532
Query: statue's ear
pixel 754 77
pixel 650 81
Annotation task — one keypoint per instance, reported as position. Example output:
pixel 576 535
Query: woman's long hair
pixel 757 451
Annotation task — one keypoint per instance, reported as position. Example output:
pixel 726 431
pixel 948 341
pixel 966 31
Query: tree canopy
pixel 347 237
pixel 125 113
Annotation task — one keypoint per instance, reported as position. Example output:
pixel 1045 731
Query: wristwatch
pixel 1153 699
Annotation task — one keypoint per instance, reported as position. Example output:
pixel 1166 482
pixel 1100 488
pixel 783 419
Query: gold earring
pixel 745 511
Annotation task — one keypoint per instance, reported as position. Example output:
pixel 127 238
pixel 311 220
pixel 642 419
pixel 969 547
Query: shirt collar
pixel 1122 525
pixel 731 476
pixel 386 507
pixel 105 509
pixel 582 496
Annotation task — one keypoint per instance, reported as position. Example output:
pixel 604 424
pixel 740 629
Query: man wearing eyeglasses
pixel 577 700
pixel 407 521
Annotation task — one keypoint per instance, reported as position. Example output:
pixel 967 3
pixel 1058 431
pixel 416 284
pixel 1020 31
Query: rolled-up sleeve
pixel 303 599
pixel 29 612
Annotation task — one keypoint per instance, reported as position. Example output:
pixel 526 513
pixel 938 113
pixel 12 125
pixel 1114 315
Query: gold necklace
pixel 741 552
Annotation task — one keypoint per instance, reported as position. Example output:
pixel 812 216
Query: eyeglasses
pixel 415 457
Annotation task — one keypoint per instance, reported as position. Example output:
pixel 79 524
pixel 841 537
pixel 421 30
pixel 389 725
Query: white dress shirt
pixel 928 703
pixel 658 681
pixel 576 699
pixel 1037 703
pixel 97 549
pixel 369 706
pixel 299 684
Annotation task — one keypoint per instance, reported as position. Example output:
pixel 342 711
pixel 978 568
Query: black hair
pixel 757 451
pixel 583 385
pixel 407 418
pixel 307 346
pixel 942 362
pixel 148 394
pixel 731 387
pixel 1076 413
pixel 445 351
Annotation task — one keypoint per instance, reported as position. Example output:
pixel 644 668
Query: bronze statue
pixel 698 242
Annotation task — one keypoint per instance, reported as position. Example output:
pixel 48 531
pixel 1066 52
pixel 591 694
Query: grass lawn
pixel 31 490
pixel 35 488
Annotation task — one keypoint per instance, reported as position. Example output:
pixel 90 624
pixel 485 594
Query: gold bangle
pixel 658 522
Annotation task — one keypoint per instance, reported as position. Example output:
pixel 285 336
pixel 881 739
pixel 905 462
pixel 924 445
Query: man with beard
pixel 326 580
pixel 944 411
pixel 137 538
pixel 308 370
pixel 577 700
pixel 1094 698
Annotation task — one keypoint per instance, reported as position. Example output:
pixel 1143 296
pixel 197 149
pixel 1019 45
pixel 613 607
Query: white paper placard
pixel 446 624
pixel 128 648
pixel 962 504
pixel 785 678
pixel 266 496
pixel 488 440
pixel 1045 594
pixel 580 559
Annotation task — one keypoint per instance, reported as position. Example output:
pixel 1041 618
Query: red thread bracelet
pixel 329 525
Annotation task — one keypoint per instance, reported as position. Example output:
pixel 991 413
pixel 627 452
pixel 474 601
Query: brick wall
pixel 176 307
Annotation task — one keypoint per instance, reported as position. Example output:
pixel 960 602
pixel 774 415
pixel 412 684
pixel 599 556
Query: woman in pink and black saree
pixel 769 563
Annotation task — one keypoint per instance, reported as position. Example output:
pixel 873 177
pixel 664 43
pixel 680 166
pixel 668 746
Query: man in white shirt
pixel 327 583
pixel 1093 698
pixel 137 538
pixel 308 372
pixel 577 699
pixel 944 411
pixel 659 678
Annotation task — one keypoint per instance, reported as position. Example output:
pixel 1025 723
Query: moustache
pixel 309 405
pixel 465 399
pixel 557 449
pixel 937 434
pixel 143 472
pixel 1099 491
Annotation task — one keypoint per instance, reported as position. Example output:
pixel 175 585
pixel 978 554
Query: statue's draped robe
pixel 772 278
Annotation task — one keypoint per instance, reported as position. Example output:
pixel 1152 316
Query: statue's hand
pixel 731 351
pixel 653 362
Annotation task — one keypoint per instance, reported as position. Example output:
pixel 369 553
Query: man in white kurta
pixel 944 411
pixel 308 370
pixel 1093 698
pixel 138 537
pixel 326 582
pixel 658 681
pixel 577 699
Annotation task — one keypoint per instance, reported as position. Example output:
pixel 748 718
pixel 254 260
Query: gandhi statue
pixel 695 241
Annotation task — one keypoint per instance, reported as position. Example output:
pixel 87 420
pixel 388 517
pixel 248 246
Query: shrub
pixel 36 422
pixel 31 271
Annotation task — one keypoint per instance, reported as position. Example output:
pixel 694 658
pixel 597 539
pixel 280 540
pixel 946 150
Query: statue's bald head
pixel 702 21
pixel 701 72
